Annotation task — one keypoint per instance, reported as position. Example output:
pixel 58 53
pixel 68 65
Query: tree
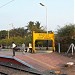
pixel 67 30
pixel 18 32
pixel 34 27
pixel 3 34
pixel 65 35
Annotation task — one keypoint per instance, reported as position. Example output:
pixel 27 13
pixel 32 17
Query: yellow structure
pixel 43 36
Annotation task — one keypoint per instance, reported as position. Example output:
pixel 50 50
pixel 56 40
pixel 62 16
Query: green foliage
pixel 18 32
pixel 34 27
pixel 3 34
pixel 39 43
pixel 65 36
pixel 18 40
pixel 20 35
pixel 28 40
pixel 67 30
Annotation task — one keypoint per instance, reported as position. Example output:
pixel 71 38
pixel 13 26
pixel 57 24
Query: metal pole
pixel 59 47
pixel 46 26
pixel 8 34
pixel 46 22
pixel 46 16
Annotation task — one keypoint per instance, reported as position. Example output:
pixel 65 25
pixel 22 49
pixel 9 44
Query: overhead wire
pixel 6 3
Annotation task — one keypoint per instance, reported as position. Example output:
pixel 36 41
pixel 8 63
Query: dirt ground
pixel 69 70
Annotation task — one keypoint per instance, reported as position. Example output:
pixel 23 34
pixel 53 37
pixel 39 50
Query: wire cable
pixel 6 3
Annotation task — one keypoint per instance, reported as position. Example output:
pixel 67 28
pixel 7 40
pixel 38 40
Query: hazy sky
pixel 20 12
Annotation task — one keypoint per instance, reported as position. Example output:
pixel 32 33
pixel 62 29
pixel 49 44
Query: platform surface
pixel 40 61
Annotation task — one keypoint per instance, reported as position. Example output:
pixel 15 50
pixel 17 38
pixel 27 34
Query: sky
pixel 20 12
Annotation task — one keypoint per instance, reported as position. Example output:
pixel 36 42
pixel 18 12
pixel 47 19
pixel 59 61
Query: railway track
pixel 12 71
pixel 2 73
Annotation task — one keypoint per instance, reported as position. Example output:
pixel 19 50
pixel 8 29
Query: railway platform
pixel 38 63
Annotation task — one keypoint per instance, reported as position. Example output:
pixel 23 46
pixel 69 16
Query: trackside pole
pixel 59 47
